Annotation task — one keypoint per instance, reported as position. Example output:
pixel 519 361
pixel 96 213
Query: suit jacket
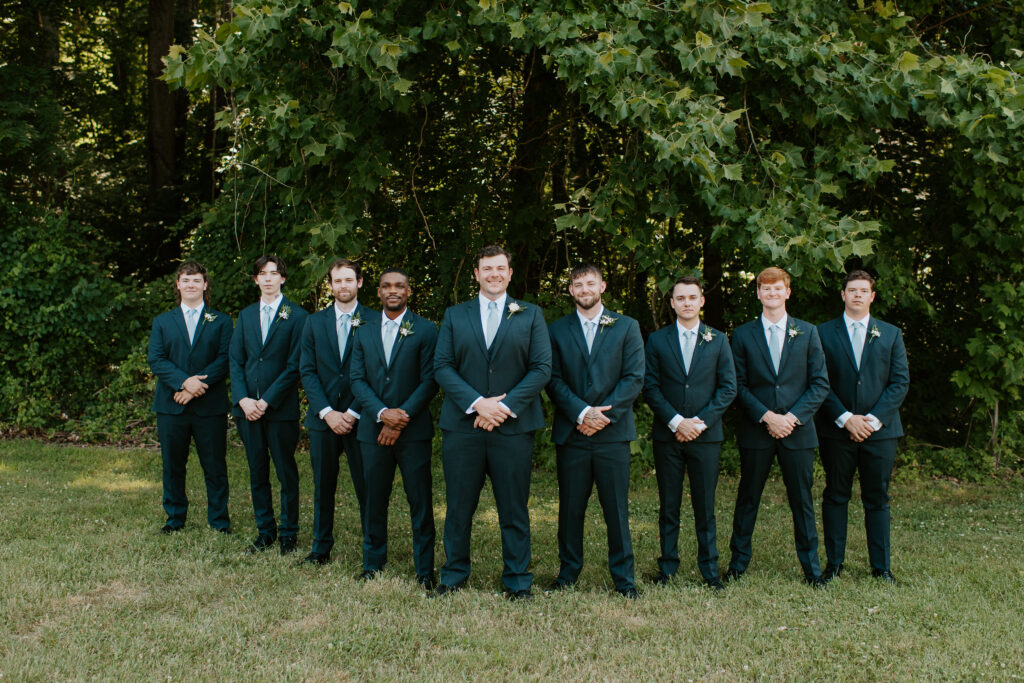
pixel 268 370
pixel 878 387
pixel 517 364
pixel 173 360
pixel 705 392
pixel 611 373
pixel 407 382
pixel 799 387
pixel 325 376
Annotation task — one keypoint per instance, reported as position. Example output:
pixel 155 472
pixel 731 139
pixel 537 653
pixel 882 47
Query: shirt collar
pixel 596 318
pixel 682 330
pixel 484 301
pixel 338 312
pixel 765 323
pixel 274 305
pixel 849 321
pixel 384 318
pixel 185 309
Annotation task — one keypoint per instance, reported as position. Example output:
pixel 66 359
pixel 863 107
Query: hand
pixel 483 423
pixel 688 429
pixel 339 422
pixel 779 426
pixel 859 428
pixel 492 410
pixel 595 419
pixel 182 397
pixel 396 418
pixel 388 436
pixel 251 408
pixel 195 385
pixel 586 430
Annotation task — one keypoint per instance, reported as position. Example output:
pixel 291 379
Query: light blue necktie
pixel 493 321
pixel 268 311
pixel 591 331
pixel 390 328
pixel 858 342
pixel 689 337
pixel 342 334
pixel 775 346
pixel 191 320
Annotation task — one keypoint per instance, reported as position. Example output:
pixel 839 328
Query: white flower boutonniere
pixel 875 332
pixel 794 331
pixel 514 308
pixel 707 336
pixel 406 328
pixel 209 317
pixel 355 321
pixel 284 312
pixel 606 321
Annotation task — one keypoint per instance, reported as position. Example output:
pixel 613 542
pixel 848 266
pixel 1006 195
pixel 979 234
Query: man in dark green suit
pixel 597 370
pixel 327 342
pixel 493 358
pixel 265 352
pixel 781 382
pixel 689 384
pixel 188 353
pixel 393 379
pixel 859 422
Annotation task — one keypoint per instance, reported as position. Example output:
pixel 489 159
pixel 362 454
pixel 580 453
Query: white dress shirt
pixel 583 325
pixel 873 421
pixel 384 337
pixel 681 330
pixel 338 312
pixel 484 312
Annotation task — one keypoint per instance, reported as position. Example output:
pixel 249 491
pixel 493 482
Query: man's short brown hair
pixel 492 250
pixel 192 268
pixel 859 275
pixel 771 275
pixel 344 263
pixel 688 280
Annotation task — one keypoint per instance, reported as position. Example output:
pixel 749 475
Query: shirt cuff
pixel 673 424
pixel 700 425
pixel 353 413
pixel 875 423
pixel 323 413
pixel 472 406
pixel 841 420
pixel 379 413
pixel 583 414
pixel 502 404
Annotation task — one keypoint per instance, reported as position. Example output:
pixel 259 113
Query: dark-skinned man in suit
pixel 327 342
pixel 265 351
pixel 689 384
pixel 859 422
pixel 393 379
pixel 781 381
pixel 493 359
pixel 188 353
pixel 597 370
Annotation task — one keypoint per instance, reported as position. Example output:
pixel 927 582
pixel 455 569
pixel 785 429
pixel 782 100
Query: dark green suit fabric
pixel 799 387
pixel 878 388
pixel 706 391
pixel 325 377
pixel 270 371
pixel 518 364
pixel 406 382
pixel 173 359
pixel 610 373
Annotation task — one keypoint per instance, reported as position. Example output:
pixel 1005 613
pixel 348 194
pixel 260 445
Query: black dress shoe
pixel 884 575
pixel 428 582
pixel 226 530
pixel 168 529
pixel 832 571
pixel 259 544
pixel 714 584
pixel 520 595
pixel 288 546
pixel 630 593
pixel 316 558
pixel 733 575
pixel 368 575
pixel 660 579
pixel 815 581
pixel 559 585
pixel 443 589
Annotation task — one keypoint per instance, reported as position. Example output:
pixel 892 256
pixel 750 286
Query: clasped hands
pixel 859 427
pixel 689 429
pixel 190 388
pixel 253 408
pixel 395 420
pixel 594 420
pixel 341 423
pixel 780 426
pixel 491 412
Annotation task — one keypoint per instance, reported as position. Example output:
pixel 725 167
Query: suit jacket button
pixel 687 386
pixel 777 386
pixel 387 379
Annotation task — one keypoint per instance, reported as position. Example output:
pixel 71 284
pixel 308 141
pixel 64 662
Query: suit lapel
pixel 602 332
pixel 698 347
pixel 841 338
pixel 762 344
pixel 179 324
pixel 472 313
pixel 504 322
pixel 675 350
pixel 200 325
pixel 869 342
pixel 275 322
pixel 357 311
pixel 330 323
pixel 576 334
pixel 378 342
pixel 784 356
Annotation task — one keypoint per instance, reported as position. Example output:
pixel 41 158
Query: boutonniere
pixel 284 312
pixel 405 329
pixel 875 332
pixel 514 308
pixel 794 331
pixel 355 321
pixel 707 336
pixel 606 321
pixel 209 317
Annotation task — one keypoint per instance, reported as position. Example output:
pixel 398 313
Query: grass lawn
pixel 89 589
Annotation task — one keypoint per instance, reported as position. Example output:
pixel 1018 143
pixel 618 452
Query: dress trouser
pixel 672 462
pixel 264 441
pixel 325 449
pixel 210 434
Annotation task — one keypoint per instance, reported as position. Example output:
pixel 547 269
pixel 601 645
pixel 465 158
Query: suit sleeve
pixel 725 388
pixel 290 375
pixel 160 362
pixel 895 391
pixel 236 362
pixel 361 389
pixel 751 405
pixel 315 393
pixel 817 381
pixel 217 371
pixel 631 379
pixel 538 373
pixel 564 398
pixel 660 406
pixel 419 399
pixel 447 376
